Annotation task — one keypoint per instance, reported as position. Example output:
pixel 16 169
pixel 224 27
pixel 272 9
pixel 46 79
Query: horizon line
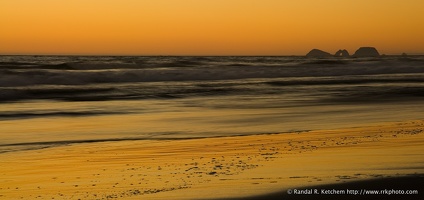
pixel 189 55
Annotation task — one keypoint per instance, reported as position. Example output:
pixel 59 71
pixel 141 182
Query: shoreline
pixel 237 167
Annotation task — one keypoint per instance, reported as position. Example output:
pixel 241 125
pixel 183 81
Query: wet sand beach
pixel 215 168
pixel 405 187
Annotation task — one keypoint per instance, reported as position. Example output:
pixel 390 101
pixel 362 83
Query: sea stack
pixel 342 53
pixel 366 52
pixel 318 53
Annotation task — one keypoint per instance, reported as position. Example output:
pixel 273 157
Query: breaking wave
pixel 111 78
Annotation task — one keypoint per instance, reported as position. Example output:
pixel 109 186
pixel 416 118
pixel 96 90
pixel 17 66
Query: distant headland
pixel 361 52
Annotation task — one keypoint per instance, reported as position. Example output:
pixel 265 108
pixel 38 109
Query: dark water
pixel 55 100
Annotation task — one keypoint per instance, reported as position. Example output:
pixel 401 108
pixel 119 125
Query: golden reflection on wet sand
pixel 198 168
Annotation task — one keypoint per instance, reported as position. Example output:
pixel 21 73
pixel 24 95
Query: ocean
pixel 49 101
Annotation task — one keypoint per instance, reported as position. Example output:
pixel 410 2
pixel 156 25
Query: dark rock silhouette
pixel 366 52
pixel 318 53
pixel 342 53
pixel 404 55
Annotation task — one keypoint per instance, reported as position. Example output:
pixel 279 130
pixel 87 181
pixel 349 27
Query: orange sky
pixel 203 27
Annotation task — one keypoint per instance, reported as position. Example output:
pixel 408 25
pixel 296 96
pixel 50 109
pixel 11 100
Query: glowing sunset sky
pixel 203 27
